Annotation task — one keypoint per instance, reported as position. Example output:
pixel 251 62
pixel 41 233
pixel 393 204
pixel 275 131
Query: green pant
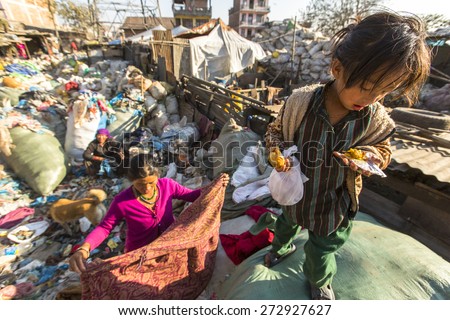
pixel 285 232
pixel 320 263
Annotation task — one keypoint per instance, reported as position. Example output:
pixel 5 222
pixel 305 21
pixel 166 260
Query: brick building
pixel 34 13
pixel 191 13
pixel 248 16
pixel 135 25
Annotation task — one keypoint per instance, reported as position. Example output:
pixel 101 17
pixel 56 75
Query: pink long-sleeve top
pixel 143 225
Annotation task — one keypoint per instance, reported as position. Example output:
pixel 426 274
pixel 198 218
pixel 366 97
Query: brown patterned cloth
pixel 177 265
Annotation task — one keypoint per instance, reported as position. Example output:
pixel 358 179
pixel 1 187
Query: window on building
pixel 250 19
pixel 178 21
pixel 243 17
pixel 261 3
pixel 249 33
pixel 188 23
pixel 259 18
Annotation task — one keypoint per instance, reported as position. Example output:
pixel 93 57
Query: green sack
pixel 11 93
pixel 54 122
pixel 38 159
pixel 376 263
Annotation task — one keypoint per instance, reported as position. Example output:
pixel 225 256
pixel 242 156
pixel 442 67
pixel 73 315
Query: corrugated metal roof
pixel 428 158
pixel 151 22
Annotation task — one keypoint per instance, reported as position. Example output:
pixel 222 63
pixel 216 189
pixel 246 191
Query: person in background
pixel 73 47
pixel 146 207
pixel 21 50
pixel 103 154
pixel 380 54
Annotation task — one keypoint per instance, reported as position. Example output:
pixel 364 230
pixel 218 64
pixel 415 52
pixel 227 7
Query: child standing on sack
pixel 378 55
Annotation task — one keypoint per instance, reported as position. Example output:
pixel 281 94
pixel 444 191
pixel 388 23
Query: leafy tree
pixel 76 15
pixel 328 16
pixel 51 5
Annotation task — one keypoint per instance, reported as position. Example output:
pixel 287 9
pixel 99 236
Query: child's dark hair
pixel 141 166
pixel 386 42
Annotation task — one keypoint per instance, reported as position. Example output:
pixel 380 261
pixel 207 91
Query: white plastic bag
pixel 248 169
pixel 287 187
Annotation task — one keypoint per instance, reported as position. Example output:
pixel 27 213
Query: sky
pixel 282 9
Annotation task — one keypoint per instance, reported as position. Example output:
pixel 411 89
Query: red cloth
pixel 256 212
pixel 13 218
pixel 71 85
pixel 239 247
pixel 102 105
pixel 73 45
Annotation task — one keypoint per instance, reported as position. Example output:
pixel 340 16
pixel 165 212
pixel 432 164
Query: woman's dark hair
pixel 141 167
pixel 387 43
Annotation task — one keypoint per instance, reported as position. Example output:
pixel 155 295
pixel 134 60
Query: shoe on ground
pixel 272 259
pixel 322 293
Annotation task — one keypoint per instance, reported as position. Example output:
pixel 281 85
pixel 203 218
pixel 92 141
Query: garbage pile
pixel 50 110
pixel 311 60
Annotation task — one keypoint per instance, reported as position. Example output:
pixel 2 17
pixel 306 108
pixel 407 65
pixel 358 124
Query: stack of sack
pixel 311 53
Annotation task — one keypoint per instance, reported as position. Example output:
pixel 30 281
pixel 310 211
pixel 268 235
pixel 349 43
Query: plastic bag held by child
pixel 286 187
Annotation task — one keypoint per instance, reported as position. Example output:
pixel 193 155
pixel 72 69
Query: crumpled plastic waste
pixel 48 272
pixel 112 244
pixel 40 201
pixel 20 69
pixel 14 217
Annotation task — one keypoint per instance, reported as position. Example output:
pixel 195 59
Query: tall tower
pixel 191 13
pixel 113 14
pixel 248 16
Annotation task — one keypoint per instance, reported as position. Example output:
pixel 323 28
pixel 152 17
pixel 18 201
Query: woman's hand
pixel 225 179
pixel 96 261
pixel 77 262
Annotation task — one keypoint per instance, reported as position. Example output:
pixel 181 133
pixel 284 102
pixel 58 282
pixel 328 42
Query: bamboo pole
pixel 293 50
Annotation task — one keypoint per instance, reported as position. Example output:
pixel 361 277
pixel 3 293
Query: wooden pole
pixel 159 8
pixel 293 52
pixel 49 49
pixel 143 122
pixel 26 49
